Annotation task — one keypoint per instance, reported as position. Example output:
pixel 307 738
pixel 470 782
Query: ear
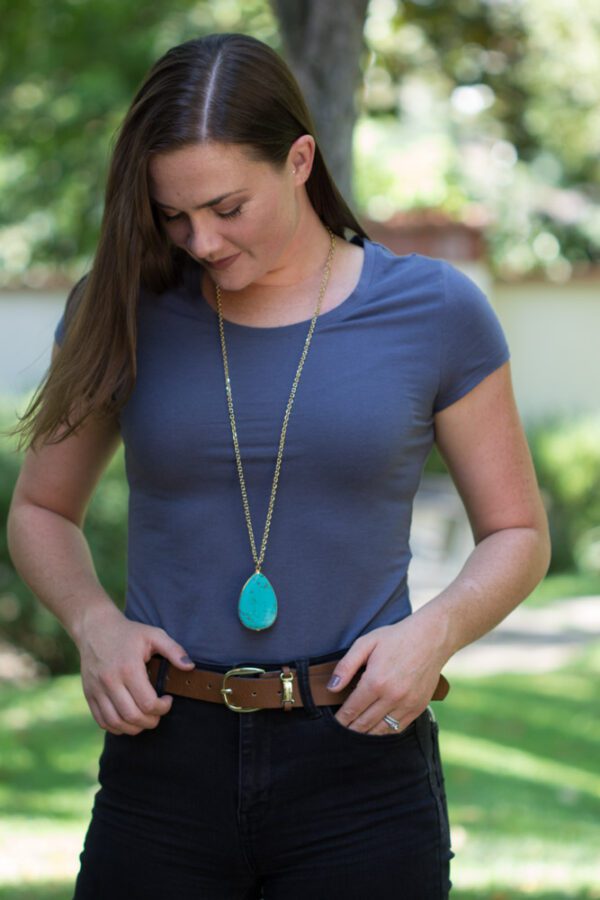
pixel 301 157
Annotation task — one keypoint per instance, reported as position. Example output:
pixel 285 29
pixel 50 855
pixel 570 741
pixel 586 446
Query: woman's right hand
pixel 114 652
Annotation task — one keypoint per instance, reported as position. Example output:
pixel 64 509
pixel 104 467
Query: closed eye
pixel 228 215
pixel 170 218
pixel 232 214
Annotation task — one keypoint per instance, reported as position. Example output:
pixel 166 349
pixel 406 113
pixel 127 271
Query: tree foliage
pixel 68 73
pixel 514 87
pixel 498 99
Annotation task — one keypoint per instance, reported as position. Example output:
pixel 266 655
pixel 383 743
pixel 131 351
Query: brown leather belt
pixel 250 688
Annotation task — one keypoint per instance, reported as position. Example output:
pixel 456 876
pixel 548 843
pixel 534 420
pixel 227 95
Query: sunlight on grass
pixel 45 851
pixel 49 749
pixel 497 871
pixel 477 753
pixel 38 890
pixel 562 585
pixel 520 759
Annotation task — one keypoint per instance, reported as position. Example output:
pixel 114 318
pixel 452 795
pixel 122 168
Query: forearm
pixel 52 556
pixel 501 571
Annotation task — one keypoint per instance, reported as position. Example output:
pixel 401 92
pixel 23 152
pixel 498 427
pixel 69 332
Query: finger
pixel 367 692
pixel 382 727
pixel 97 714
pixel 403 717
pixel 369 719
pixel 347 667
pixel 355 707
pixel 165 645
pixel 131 712
pixel 100 705
pixel 144 695
pixel 109 715
pixel 122 713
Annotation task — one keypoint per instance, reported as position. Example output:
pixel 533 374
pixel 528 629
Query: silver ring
pixel 392 722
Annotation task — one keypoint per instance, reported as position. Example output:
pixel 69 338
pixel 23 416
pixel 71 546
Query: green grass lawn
pixel 563 585
pixel 523 782
pixel 521 762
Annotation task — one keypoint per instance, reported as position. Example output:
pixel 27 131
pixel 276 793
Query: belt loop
pixel 312 710
pixel 160 678
pixel 287 680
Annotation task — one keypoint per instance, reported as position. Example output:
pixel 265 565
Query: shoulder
pixel 389 264
pixel 424 278
pixel 408 283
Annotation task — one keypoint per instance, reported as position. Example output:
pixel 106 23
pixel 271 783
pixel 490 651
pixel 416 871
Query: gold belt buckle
pixel 244 670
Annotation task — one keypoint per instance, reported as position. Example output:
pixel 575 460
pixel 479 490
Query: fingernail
pixel 333 681
pixel 186 659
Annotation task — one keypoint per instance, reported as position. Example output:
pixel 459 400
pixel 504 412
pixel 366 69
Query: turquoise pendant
pixel 257 607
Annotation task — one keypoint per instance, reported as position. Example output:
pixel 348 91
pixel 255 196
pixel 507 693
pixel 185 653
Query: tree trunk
pixel 323 42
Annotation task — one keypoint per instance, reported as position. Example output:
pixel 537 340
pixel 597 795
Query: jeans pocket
pixel 394 737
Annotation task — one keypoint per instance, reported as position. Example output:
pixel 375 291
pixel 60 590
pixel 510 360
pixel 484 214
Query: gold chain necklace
pixel 257 606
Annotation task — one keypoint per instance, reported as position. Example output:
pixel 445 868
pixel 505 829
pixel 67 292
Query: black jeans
pixel 218 805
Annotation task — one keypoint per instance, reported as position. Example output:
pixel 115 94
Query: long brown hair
pixel 229 88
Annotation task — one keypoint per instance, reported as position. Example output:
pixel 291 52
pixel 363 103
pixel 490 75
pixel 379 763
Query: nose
pixel 203 242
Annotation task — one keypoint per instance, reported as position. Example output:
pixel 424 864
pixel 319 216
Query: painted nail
pixel 333 681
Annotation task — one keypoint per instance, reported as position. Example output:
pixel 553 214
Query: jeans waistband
pixel 270 666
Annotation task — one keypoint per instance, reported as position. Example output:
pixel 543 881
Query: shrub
pixel 566 457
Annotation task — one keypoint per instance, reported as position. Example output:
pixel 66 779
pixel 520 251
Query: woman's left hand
pixel 403 663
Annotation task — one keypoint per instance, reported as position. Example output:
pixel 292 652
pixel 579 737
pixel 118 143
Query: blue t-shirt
pixel 414 336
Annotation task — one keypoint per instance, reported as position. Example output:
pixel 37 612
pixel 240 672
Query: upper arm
pixel 482 442
pixel 62 477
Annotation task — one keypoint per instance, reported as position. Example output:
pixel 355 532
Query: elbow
pixel 531 548
pixel 547 557
pixel 543 553
pixel 13 535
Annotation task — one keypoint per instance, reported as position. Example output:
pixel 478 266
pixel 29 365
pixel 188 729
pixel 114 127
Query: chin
pixel 233 281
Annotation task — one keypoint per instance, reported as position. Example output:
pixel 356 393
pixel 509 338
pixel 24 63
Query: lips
pixel 222 263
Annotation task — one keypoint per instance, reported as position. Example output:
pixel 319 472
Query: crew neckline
pixel 195 288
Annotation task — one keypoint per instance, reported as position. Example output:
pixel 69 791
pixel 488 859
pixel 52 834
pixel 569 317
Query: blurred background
pixel 467 131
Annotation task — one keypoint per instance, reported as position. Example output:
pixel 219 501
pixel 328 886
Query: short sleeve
pixel 473 343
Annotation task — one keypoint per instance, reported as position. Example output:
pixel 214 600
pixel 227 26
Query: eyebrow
pixel 214 202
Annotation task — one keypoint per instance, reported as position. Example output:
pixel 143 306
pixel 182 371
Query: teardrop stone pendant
pixel 257 607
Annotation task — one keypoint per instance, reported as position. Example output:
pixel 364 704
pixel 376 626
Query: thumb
pixel 347 667
pixel 174 652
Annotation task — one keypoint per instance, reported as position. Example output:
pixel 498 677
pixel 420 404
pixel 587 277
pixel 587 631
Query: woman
pixel 224 295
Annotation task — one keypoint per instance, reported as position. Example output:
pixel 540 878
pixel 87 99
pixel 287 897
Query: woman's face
pixel 220 206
